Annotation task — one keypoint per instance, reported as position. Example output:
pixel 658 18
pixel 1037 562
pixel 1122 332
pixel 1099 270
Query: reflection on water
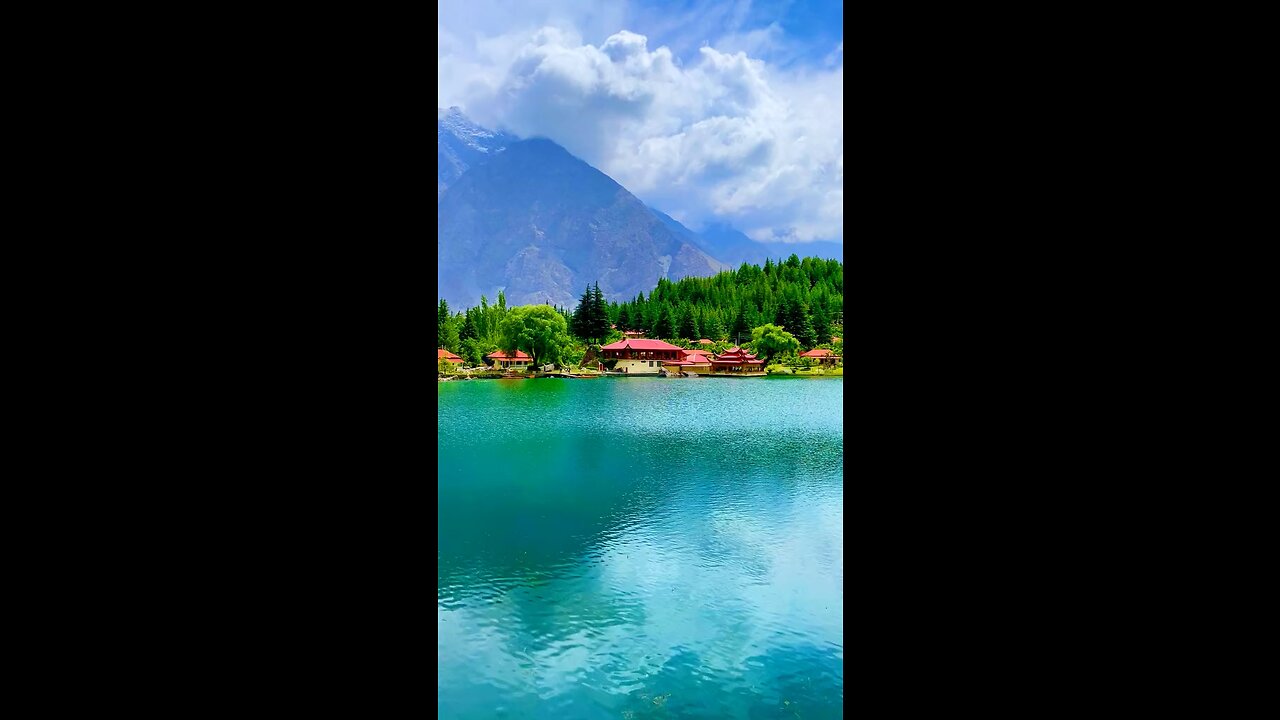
pixel 640 548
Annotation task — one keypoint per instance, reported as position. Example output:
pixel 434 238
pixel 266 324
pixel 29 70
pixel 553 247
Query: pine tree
pixel 662 325
pixel 442 322
pixel 796 321
pixel 580 324
pixel 712 326
pixel 822 324
pixel 470 329
pixel 740 327
pixel 599 327
pixel 688 323
pixel 624 318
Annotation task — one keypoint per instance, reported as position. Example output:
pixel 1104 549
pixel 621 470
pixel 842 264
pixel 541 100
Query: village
pixel 636 356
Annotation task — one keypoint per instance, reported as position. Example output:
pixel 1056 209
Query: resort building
pixel 443 354
pixel 822 355
pixel 693 363
pixel 639 356
pixel 736 361
pixel 500 359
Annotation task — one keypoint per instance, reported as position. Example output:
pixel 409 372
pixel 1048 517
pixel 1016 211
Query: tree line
pixel 801 298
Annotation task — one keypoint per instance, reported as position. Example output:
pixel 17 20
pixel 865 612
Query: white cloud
pixel 723 136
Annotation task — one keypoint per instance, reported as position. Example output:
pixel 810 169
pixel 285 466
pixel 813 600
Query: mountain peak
pixel 542 223
pixel 461 144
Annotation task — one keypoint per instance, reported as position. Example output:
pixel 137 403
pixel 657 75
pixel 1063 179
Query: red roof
pixel 500 355
pixel 446 355
pixel 696 359
pixel 639 344
pixel 737 356
pixel 816 352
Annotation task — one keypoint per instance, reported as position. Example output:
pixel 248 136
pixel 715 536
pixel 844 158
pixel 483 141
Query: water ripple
pixel 641 548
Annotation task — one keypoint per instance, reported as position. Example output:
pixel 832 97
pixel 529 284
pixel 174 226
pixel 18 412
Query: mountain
pixel 540 223
pixel 460 144
pixel 731 246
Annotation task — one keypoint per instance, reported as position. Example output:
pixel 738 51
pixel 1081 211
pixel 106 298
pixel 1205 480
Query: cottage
pixel 696 362
pixel 500 359
pixel 822 355
pixel 736 361
pixel 443 354
pixel 640 356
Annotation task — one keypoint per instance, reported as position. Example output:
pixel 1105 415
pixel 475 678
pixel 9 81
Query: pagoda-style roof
pixel 696 359
pixel 736 356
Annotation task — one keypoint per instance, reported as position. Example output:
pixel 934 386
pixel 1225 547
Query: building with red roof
pixel 443 354
pixel 736 361
pixel 822 355
pixel 640 356
pixel 694 361
pixel 500 359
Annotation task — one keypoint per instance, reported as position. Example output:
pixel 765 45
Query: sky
pixel 711 111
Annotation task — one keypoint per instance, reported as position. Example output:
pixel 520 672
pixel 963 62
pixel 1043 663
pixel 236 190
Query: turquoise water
pixel 641 548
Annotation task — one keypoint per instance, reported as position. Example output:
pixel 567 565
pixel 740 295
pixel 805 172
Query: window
pixel 650 363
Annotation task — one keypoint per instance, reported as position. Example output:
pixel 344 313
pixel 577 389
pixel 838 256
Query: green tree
pixel 740 326
pixel 771 340
pixel 591 317
pixel 821 324
pixel 599 316
pixel 538 330
pixel 470 325
pixel 581 322
pixel 712 327
pixel 442 322
pixel 572 354
pixel 688 324
pixel 662 324
pixel 473 351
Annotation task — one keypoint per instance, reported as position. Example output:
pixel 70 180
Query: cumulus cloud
pixel 724 136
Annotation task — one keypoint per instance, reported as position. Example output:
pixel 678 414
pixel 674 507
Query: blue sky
pixel 801 32
pixel 712 111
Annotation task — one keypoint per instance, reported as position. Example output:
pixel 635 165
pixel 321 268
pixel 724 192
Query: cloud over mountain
pixel 713 136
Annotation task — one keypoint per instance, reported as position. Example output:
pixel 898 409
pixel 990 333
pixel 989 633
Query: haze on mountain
pixel 529 218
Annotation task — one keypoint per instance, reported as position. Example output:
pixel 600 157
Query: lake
pixel 641 548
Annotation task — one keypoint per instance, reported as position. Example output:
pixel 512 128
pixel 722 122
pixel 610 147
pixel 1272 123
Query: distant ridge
pixel 529 218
